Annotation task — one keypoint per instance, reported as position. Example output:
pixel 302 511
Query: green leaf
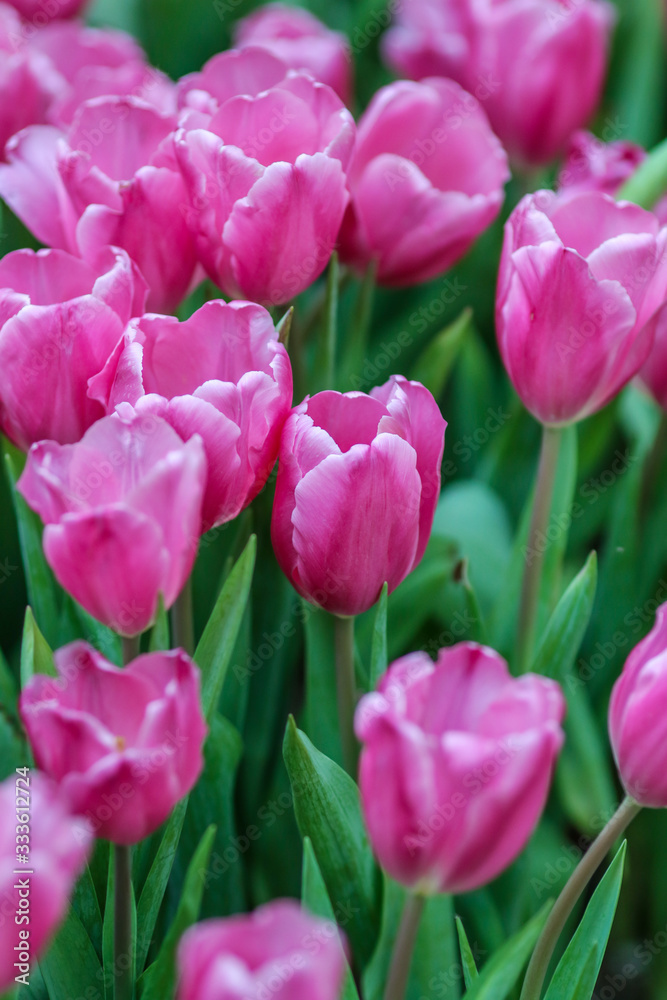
pixel 436 361
pixel 323 375
pixel 71 964
pixel 328 811
pixel 568 624
pixel 578 969
pixel 379 653
pixel 319 721
pixel 158 981
pixel 217 643
pixel 36 654
pixel 160 638
pixel 500 974
pixel 470 972
pixel 315 897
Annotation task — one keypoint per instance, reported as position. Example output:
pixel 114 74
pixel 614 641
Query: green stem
pixel 404 946
pixel 653 467
pixel 131 648
pixel 575 885
pixel 182 620
pixel 123 943
pixel 532 576
pixel 347 692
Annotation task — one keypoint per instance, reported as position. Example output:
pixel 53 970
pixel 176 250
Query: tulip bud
pixel 456 765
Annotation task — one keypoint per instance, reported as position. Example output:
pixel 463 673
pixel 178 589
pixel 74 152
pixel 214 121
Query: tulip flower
pixel 302 42
pixel 264 162
pixel 109 179
pixel 537 66
pixel 35 824
pixel 581 278
pixel 279 951
pixel 61 318
pixel 40 12
pixel 358 483
pixel 122 510
pixel 221 374
pixel 426 179
pixel 124 744
pixel 28 84
pixel 456 765
pixel 592 165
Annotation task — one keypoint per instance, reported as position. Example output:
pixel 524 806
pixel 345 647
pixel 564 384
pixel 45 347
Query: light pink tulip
pixel 28 83
pixel 278 951
pixel 122 510
pixel 302 42
pixel 124 744
pixel 221 374
pixel 60 319
pixel 358 483
pixel 39 13
pixel 581 278
pixel 59 845
pixel 593 165
pixel 537 66
pixel 426 179
pixel 263 156
pixel 110 179
pixel 456 765
pixel 638 717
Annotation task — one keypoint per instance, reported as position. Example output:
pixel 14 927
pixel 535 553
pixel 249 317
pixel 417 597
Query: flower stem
pixel 347 691
pixel 404 946
pixel 123 943
pixel 131 646
pixel 532 576
pixel 182 620
pixel 575 885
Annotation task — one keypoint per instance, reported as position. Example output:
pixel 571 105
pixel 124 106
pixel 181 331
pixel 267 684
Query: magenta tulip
pixel 456 765
pixel 110 179
pixel 60 319
pixel 426 179
pixel 27 83
pixel 537 66
pixel 279 951
pixel 593 165
pixel 581 278
pixel 264 162
pixel 124 745
pixel 122 510
pixel 221 374
pixel 39 13
pixel 35 825
pixel 638 717
pixel 358 483
pixel 302 42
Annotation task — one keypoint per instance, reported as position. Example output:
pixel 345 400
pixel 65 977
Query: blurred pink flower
pixel 593 165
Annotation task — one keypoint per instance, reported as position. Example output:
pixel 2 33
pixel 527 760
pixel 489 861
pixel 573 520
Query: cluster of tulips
pixel 144 431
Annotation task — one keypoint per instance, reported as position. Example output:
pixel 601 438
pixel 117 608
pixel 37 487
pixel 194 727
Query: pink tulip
pixel 637 717
pixel 358 483
pixel 537 66
pixel 122 510
pixel 279 951
pixel 125 745
pixel 593 165
pixel 263 156
pixel 60 319
pixel 456 765
pixel 426 179
pixel 110 179
pixel 58 846
pixel 581 278
pixel 221 374
pixel 41 12
pixel 302 42
pixel 28 83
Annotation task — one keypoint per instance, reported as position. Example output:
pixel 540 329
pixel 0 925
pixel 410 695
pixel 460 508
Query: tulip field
pixel 333 500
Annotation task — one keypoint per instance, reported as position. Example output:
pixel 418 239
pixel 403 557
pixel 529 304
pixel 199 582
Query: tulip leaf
pixel 319 721
pixel 158 980
pixel 578 969
pixel 568 624
pixel 328 811
pixel 98 635
pixel 379 654
pixel 36 654
pixel 436 361
pixel 323 375
pixel 315 897
pixel 110 973
pixel 468 962
pixel 159 638
pixel 71 966
pixel 217 643
pixel 500 974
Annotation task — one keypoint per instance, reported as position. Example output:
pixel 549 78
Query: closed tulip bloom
pixel 581 277
pixel 124 744
pixel 109 178
pixel 122 510
pixel 426 179
pixel 221 374
pixel 56 849
pixel 302 42
pixel 456 763
pixel 60 318
pixel 279 950
pixel 593 165
pixel 41 12
pixel 263 155
pixel 358 483
pixel 538 66
pixel 637 718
